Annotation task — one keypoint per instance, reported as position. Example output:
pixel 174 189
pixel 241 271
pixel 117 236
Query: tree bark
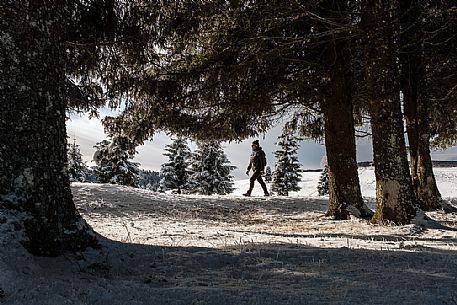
pixel 395 198
pixel 32 124
pixel 345 196
pixel 413 86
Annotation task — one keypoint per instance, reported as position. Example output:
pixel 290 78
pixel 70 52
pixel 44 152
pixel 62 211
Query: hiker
pixel 257 163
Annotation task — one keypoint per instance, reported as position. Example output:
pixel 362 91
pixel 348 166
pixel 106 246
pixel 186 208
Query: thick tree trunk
pixel 345 197
pixel 32 124
pixel 394 193
pixel 413 86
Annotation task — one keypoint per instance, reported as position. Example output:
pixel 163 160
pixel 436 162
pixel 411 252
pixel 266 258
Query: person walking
pixel 257 163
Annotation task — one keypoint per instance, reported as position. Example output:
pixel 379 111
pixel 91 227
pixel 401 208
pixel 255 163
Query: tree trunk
pixel 394 193
pixel 345 197
pixel 413 86
pixel 32 124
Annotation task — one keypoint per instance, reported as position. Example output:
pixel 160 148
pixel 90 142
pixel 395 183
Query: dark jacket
pixel 256 163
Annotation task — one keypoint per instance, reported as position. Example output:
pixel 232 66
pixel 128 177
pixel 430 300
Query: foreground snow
pixel 181 249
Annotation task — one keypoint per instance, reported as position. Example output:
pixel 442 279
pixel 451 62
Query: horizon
pixel 88 132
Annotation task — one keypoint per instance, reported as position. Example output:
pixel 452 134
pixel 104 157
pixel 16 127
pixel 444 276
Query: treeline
pixel 204 171
pixel 113 166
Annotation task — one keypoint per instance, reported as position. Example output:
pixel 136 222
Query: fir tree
pixel 174 173
pixel 268 176
pixel 287 173
pixel 322 188
pixel 113 165
pixel 210 170
pixel 33 142
pixel 256 71
pixel 381 34
pixel 91 175
pixel 149 180
pixel 77 168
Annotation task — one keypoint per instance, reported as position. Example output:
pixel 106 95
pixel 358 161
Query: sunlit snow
pixel 161 248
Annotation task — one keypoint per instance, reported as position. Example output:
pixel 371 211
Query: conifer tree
pixel 236 66
pixel 149 180
pixel 268 176
pixel 210 170
pixel 33 144
pixel 287 172
pixel 416 101
pixel 336 103
pixel 395 198
pixel 113 165
pixel 174 173
pixel 440 48
pixel 77 168
pixel 322 187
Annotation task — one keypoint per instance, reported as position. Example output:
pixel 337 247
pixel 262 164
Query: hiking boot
pixel 247 194
pixel 266 194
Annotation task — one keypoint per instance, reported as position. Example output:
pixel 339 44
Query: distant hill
pixel 444 163
pixel 435 163
pixel 365 163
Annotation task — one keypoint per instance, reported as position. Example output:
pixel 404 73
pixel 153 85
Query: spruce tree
pixel 174 173
pixel 149 180
pixel 268 176
pixel 77 168
pixel 337 99
pixel 416 103
pixel 322 187
pixel 395 198
pixel 287 172
pixel 210 170
pixel 235 81
pixel 440 26
pixel 113 165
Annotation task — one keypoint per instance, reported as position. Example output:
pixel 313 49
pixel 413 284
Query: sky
pixel 88 132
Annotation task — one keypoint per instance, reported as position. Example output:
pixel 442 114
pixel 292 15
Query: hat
pixel 256 142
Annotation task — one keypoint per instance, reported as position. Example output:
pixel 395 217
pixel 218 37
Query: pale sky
pixel 150 156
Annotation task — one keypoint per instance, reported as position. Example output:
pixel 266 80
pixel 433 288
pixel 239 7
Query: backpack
pixel 263 159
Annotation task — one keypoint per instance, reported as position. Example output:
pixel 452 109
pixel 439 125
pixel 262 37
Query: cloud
pixel 86 132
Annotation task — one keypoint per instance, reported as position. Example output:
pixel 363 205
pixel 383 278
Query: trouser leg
pixel 257 176
pixel 251 182
pixel 262 184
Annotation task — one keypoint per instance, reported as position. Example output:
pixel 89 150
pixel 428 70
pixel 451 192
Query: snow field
pixel 187 249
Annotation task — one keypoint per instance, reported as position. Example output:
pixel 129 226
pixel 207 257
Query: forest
pixel 227 70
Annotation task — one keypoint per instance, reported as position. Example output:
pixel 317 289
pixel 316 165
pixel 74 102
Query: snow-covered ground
pixel 187 249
